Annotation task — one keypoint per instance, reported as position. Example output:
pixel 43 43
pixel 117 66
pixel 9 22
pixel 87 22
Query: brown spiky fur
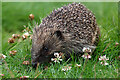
pixel 67 30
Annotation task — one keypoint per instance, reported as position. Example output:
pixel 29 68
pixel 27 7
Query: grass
pixel 16 14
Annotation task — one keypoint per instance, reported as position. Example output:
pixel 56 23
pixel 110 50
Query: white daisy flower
pixel 57 58
pixel 103 58
pixel 2 56
pixel 66 68
pixel 104 63
pixel 86 56
pixel 24 77
pixel 86 49
pixel 56 55
pixel 25 35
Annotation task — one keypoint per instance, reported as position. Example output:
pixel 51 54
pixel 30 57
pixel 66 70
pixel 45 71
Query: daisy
pixel 86 56
pixel 86 49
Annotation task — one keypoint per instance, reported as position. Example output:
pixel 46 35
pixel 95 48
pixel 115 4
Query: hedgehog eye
pixel 45 49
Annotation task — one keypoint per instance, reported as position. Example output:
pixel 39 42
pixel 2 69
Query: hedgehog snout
pixel 34 64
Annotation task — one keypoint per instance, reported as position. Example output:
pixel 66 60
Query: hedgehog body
pixel 67 29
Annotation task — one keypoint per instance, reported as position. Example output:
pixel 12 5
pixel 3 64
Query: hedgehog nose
pixel 34 65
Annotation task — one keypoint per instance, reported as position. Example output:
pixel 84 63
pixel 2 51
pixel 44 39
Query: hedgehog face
pixel 45 44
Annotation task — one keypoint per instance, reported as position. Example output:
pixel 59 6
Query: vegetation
pixel 15 15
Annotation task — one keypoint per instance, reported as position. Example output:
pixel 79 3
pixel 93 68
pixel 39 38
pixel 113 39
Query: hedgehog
pixel 68 30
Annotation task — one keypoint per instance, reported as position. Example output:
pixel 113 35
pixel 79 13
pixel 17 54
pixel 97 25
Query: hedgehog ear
pixel 59 34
